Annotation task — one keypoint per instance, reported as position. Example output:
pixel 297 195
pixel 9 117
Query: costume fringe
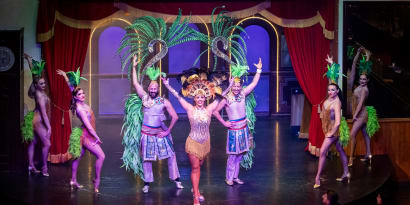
pixel 372 125
pixel 344 132
pixel 75 142
pixel 27 127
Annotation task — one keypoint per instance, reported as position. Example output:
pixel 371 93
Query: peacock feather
pixel 151 31
pixel 247 160
pixel 131 130
pixel 222 27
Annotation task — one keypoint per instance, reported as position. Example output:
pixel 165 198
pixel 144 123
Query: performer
pixel 88 138
pixel 198 144
pixel 239 139
pixel 333 125
pixel 156 139
pixel 364 117
pixel 36 126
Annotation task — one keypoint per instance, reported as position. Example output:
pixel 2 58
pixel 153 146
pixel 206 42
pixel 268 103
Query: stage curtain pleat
pixel 65 51
pixel 308 49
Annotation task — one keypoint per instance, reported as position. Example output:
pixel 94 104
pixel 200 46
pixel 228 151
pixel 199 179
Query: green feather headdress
pixel 365 67
pixel 38 67
pixel 333 72
pixel 154 72
pixel 350 52
pixel 74 77
pixel 237 71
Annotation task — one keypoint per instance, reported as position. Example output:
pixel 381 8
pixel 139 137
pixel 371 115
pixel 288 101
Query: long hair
pixel 339 94
pixel 32 89
pixel 73 105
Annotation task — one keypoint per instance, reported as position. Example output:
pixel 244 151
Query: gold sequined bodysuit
pixel 198 143
pixel 362 115
pixel 328 120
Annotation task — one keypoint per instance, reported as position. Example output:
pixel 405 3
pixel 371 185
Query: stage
pixel 283 173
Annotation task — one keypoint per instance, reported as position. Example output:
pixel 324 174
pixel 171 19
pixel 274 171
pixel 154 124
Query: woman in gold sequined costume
pixel 359 112
pixel 198 143
pixel 331 119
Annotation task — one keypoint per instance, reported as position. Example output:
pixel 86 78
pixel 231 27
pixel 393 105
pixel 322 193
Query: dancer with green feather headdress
pixel 239 104
pixel 145 131
pixel 84 137
pixel 36 125
pixel 334 126
pixel 143 127
pixel 364 117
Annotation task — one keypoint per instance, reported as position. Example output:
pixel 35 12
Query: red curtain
pixel 308 49
pixel 66 51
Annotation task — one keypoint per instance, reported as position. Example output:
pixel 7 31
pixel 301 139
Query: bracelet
pixel 259 70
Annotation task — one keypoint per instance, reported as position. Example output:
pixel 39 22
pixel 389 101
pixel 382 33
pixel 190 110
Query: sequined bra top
pixel 199 125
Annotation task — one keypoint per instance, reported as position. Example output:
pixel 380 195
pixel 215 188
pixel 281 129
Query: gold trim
pixel 126 10
pixel 299 23
pixel 59 158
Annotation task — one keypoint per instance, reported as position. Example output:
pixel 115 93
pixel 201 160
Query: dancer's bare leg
pixel 367 141
pixel 343 158
pixel 96 150
pixel 195 175
pixel 322 158
pixel 353 133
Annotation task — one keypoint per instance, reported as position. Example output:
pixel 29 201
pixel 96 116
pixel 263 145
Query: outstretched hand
pixel 26 56
pixel 165 81
pixel 62 73
pixel 259 65
pixel 329 59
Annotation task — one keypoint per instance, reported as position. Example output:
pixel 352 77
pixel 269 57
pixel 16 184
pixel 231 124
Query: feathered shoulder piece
pixel 333 72
pixel 154 72
pixel 74 77
pixel 365 67
pixel 38 67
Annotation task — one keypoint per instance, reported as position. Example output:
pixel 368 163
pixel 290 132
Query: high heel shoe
pixel 367 158
pixel 198 199
pixel 96 185
pixel 201 197
pixel 44 171
pixel 350 162
pixel 317 185
pixel 74 184
pixel 32 169
pixel 344 178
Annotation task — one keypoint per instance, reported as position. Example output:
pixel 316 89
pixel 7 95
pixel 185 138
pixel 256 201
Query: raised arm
pixel 43 112
pixel 140 91
pixel 350 78
pixel 83 117
pixel 28 58
pixel 174 118
pixel 62 73
pixel 336 108
pixel 363 94
pixel 186 105
pixel 256 78
pixel 218 115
